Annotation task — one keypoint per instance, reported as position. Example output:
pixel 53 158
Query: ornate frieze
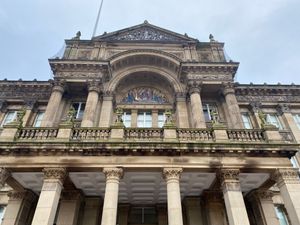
pixel 267 93
pixel 24 90
pixel 4 174
pixel 113 173
pixel 30 104
pixel 172 173
pixel 58 173
pixel 228 88
pixel 144 95
pixel 210 69
pixel 286 176
pixel 255 106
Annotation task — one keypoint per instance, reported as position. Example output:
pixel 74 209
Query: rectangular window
pixel 143 215
pixel 297 119
pixel 161 119
pixel 79 109
pixel 38 119
pixel 207 110
pixel 246 121
pixel 9 117
pixel 280 213
pixel 274 120
pixel 144 119
pixel 126 119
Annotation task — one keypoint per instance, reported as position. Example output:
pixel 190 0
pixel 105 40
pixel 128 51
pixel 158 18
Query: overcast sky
pixel 263 35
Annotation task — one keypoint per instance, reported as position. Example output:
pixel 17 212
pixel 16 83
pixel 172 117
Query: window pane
pixel 79 109
pixel 9 117
pixel 297 120
pixel 207 111
pixel 2 210
pixel 161 119
pixel 274 120
pixel 38 119
pixel 281 215
pixel 126 119
pixel 144 119
pixel 246 121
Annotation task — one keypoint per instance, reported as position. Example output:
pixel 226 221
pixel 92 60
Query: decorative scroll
pixel 144 95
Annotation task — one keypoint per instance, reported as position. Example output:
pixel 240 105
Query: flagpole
pixel 97 20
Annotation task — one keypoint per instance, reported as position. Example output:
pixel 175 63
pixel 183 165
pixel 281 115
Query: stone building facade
pixel 147 126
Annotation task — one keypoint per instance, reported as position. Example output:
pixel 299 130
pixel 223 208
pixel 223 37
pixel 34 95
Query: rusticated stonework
pixel 113 173
pixel 172 173
pixel 55 173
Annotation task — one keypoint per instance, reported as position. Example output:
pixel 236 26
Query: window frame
pixel 161 122
pixel 207 109
pixel 297 119
pixel 144 121
pixel 125 121
pixel 280 210
pixel 79 112
pixel 4 122
pixel 37 120
pixel 249 121
pixel 276 123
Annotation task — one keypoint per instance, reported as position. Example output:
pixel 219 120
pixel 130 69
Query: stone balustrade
pixel 195 134
pixel 1 129
pixel 37 133
pixel 246 135
pixel 91 134
pixel 143 133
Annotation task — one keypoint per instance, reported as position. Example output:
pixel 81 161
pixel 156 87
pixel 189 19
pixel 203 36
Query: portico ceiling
pixel 141 187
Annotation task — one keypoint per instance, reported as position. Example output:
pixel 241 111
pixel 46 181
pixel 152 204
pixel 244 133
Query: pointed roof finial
pixel 146 22
pixel 211 38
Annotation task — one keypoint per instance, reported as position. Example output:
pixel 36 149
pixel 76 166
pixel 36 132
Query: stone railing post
pixel 196 105
pixel 288 182
pixel 233 197
pixel 220 133
pixel 172 176
pixel 53 104
pixel 88 119
pixel 49 197
pixel 232 106
pixel 170 133
pixel 272 133
pixel 110 205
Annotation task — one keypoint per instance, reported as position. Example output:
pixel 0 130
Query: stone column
pixel 69 208
pixel 49 197
pixel 285 111
pixel 198 119
pixel 53 104
pixel 172 176
pixel 18 207
pixel 88 119
pixel 232 106
pixel 181 109
pixel 215 209
pixel 233 197
pixel 29 107
pixel 193 211
pixel 289 184
pixel 110 205
pixel 106 111
pixel 155 118
pixel 134 115
pixel 263 204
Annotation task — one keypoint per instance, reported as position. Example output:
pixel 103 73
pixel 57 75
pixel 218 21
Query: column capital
pixel 286 176
pixel 113 173
pixel 58 173
pixel 194 87
pixel 283 108
pixel 94 85
pixel 255 106
pixel 228 88
pixel 4 174
pixel 180 96
pixel 172 173
pixel 230 179
pixel 58 85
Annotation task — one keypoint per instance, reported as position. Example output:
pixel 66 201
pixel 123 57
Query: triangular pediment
pixel 144 32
